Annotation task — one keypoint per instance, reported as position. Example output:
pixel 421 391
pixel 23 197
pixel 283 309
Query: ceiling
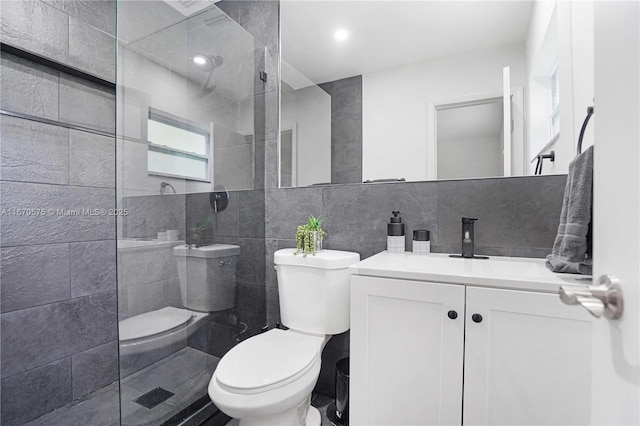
pixel 382 35
pixel 387 34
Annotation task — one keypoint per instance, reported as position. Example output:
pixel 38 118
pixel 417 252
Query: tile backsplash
pixel 516 216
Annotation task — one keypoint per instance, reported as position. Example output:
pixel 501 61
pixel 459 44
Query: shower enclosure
pixel 186 146
pixel 147 150
pixel 187 163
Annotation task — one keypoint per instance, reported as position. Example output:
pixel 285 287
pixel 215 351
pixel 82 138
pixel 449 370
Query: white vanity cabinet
pixel 527 362
pixel 406 354
pixel 458 353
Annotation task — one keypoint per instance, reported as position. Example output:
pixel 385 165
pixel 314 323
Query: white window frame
pixel 554 99
pixel 174 121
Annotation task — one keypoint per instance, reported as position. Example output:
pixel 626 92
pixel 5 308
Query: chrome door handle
pixel 604 298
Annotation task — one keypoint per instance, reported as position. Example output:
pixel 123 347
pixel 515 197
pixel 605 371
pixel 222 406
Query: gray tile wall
pixel 148 215
pixel 233 159
pixel 261 18
pixel 58 319
pixel 75 33
pixel 242 224
pixel 516 217
pixel 346 129
pixel 147 279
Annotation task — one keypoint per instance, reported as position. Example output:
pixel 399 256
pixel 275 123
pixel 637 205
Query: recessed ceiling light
pixel 341 35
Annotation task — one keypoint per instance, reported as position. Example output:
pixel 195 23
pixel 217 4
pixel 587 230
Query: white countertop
pixel 516 273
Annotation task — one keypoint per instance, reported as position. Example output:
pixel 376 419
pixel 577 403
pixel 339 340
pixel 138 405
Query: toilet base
pixel 313 417
pixel 292 417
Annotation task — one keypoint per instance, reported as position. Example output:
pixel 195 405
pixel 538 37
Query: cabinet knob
pixel 476 318
pixel 452 314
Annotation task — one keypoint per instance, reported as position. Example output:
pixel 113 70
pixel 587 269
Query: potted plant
pixel 309 237
pixel 196 236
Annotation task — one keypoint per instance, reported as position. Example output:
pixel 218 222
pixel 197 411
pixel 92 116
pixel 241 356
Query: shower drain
pixel 154 397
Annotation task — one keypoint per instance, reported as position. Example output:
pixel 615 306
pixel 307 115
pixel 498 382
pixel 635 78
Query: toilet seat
pixel 267 361
pixel 153 323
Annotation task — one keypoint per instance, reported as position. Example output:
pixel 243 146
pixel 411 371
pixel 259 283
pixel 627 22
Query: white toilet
pixel 268 378
pixel 207 277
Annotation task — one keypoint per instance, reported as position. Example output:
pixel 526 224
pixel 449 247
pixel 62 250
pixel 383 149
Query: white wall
pixel 307 112
pixel 475 157
pixel 394 105
pixel 582 48
pixel 562 32
pixel 541 56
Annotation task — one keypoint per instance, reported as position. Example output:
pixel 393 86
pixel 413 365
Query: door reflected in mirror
pixel 371 104
pixel 470 139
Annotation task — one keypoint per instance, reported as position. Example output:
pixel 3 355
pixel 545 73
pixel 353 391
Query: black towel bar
pixel 584 127
pixel 551 156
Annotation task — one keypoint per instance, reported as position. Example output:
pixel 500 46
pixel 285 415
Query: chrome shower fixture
pixel 206 62
pixel 163 187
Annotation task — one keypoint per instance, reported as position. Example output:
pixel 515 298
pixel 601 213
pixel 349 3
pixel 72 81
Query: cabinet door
pixel 406 353
pixel 528 360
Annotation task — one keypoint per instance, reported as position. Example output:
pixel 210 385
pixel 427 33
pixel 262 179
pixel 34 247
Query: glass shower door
pixel 186 146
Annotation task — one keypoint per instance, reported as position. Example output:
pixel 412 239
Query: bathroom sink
pixel 507 272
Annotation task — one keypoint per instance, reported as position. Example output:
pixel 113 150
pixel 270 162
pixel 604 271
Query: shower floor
pixel 185 373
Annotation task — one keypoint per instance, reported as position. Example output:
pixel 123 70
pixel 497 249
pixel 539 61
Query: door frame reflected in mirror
pixel 517 127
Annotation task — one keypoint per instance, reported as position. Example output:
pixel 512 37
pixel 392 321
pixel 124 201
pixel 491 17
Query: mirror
pixel 423 90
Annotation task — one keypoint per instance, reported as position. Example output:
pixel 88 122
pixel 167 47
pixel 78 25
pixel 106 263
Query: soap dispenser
pixel 395 234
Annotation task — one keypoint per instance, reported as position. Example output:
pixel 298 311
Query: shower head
pixel 205 62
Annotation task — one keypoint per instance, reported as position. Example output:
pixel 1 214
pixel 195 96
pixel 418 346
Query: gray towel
pixel 571 249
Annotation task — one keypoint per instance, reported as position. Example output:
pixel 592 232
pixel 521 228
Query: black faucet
pixel 468 240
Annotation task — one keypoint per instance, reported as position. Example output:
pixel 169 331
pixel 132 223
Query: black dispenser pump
pixel 395 227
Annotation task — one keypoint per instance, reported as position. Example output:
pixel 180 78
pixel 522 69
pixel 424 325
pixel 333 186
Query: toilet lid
pixel 154 322
pixel 268 360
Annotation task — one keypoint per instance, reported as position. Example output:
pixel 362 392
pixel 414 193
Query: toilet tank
pixel 207 276
pixel 315 290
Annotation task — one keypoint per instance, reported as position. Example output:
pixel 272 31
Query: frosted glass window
pixel 555 102
pixel 555 89
pixel 176 148
pixel 175 137
pixel 177 165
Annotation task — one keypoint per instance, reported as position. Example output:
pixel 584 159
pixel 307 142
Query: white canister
pixel 395 244
pixel 421 242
